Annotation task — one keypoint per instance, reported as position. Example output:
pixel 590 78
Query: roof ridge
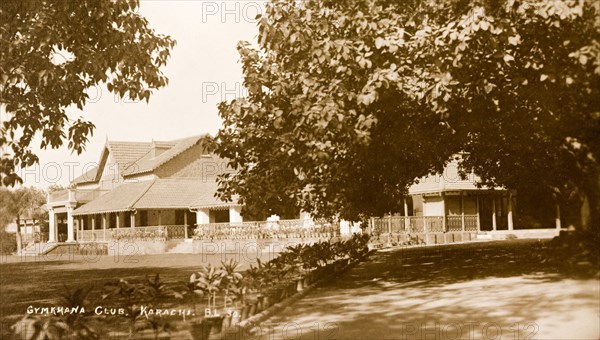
pixel 180 178
pixel 168 157
pixel 160 141
pixel 134 162
pixel 189 137
pixel 142 194
pixel 184 179
pixel 127 142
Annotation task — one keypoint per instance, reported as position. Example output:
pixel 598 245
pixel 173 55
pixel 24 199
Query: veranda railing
pixel 299 228
pixel 163 232
pixel 423 224
pixel 282 229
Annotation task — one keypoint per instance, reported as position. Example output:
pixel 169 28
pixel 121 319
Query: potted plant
pixel 234 290
pixel 208 280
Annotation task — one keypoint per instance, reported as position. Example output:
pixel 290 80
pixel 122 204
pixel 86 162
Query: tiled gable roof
pixel 136 157
pixel 123 153
pixel 171 193
pixel 127 153
pixel 120 198
pixel 88 176
pixel 149 163
pixel 180 193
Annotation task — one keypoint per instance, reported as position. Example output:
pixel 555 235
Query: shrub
pixel 576 251
pixel 62 326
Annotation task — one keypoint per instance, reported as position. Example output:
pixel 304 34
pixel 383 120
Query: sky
pixel 203 70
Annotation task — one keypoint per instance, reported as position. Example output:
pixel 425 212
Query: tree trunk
pixel 18 236
pixel 591 222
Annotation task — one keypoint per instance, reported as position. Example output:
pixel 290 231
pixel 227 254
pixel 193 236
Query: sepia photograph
pixel 300 169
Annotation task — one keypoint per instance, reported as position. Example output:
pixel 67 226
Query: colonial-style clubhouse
pixel 165 190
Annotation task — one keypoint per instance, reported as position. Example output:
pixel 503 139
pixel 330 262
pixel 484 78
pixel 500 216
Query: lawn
pixel 475 289
pixel 35 281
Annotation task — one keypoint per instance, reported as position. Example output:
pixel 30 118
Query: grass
pixel 28 281
pixel 398 293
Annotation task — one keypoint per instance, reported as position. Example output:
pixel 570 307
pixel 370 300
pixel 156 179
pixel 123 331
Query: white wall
pixel 433 206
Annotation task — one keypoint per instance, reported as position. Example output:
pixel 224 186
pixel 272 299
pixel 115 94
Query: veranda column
pixel 494 213
pixel 478 221
pixel 406 218
pixel 117 219
pixel 81 227
pixel 52 226
pixel 235 214
pixel 93 218
pixel 462 211
pixel 104 227
pixel 159 218
pixel 443 212
pixel 510 213
pixel 132 219
pixel 202 216
pixel 70 225
pixel 185 224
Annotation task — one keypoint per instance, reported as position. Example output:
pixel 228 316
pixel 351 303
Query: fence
pixel 138 233
pixel 423 224
pixel 267 229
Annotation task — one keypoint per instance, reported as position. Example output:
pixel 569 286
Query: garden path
pixel 491 290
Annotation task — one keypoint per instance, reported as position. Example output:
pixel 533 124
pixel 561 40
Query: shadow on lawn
pixel 495 290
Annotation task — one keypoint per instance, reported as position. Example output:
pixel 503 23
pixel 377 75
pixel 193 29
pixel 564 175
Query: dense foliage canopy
pixel 51 52
pixel 349 101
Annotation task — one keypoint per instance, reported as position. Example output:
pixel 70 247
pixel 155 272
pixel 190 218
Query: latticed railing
pixel 471 223
pixel 380 226
pixel 139 233
pixel 175 231
pixel 454 223
pixel 392 224
pixel 423 224
pixel 417 225
pixel 434 224
pixel 93 235
pixel 266 229
pixel 165 232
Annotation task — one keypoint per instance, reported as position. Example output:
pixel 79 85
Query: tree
pixel 51 52
pixel 19 203
pixel 350 101
pixel 5 198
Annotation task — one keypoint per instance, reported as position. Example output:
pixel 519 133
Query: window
pixel 220 216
